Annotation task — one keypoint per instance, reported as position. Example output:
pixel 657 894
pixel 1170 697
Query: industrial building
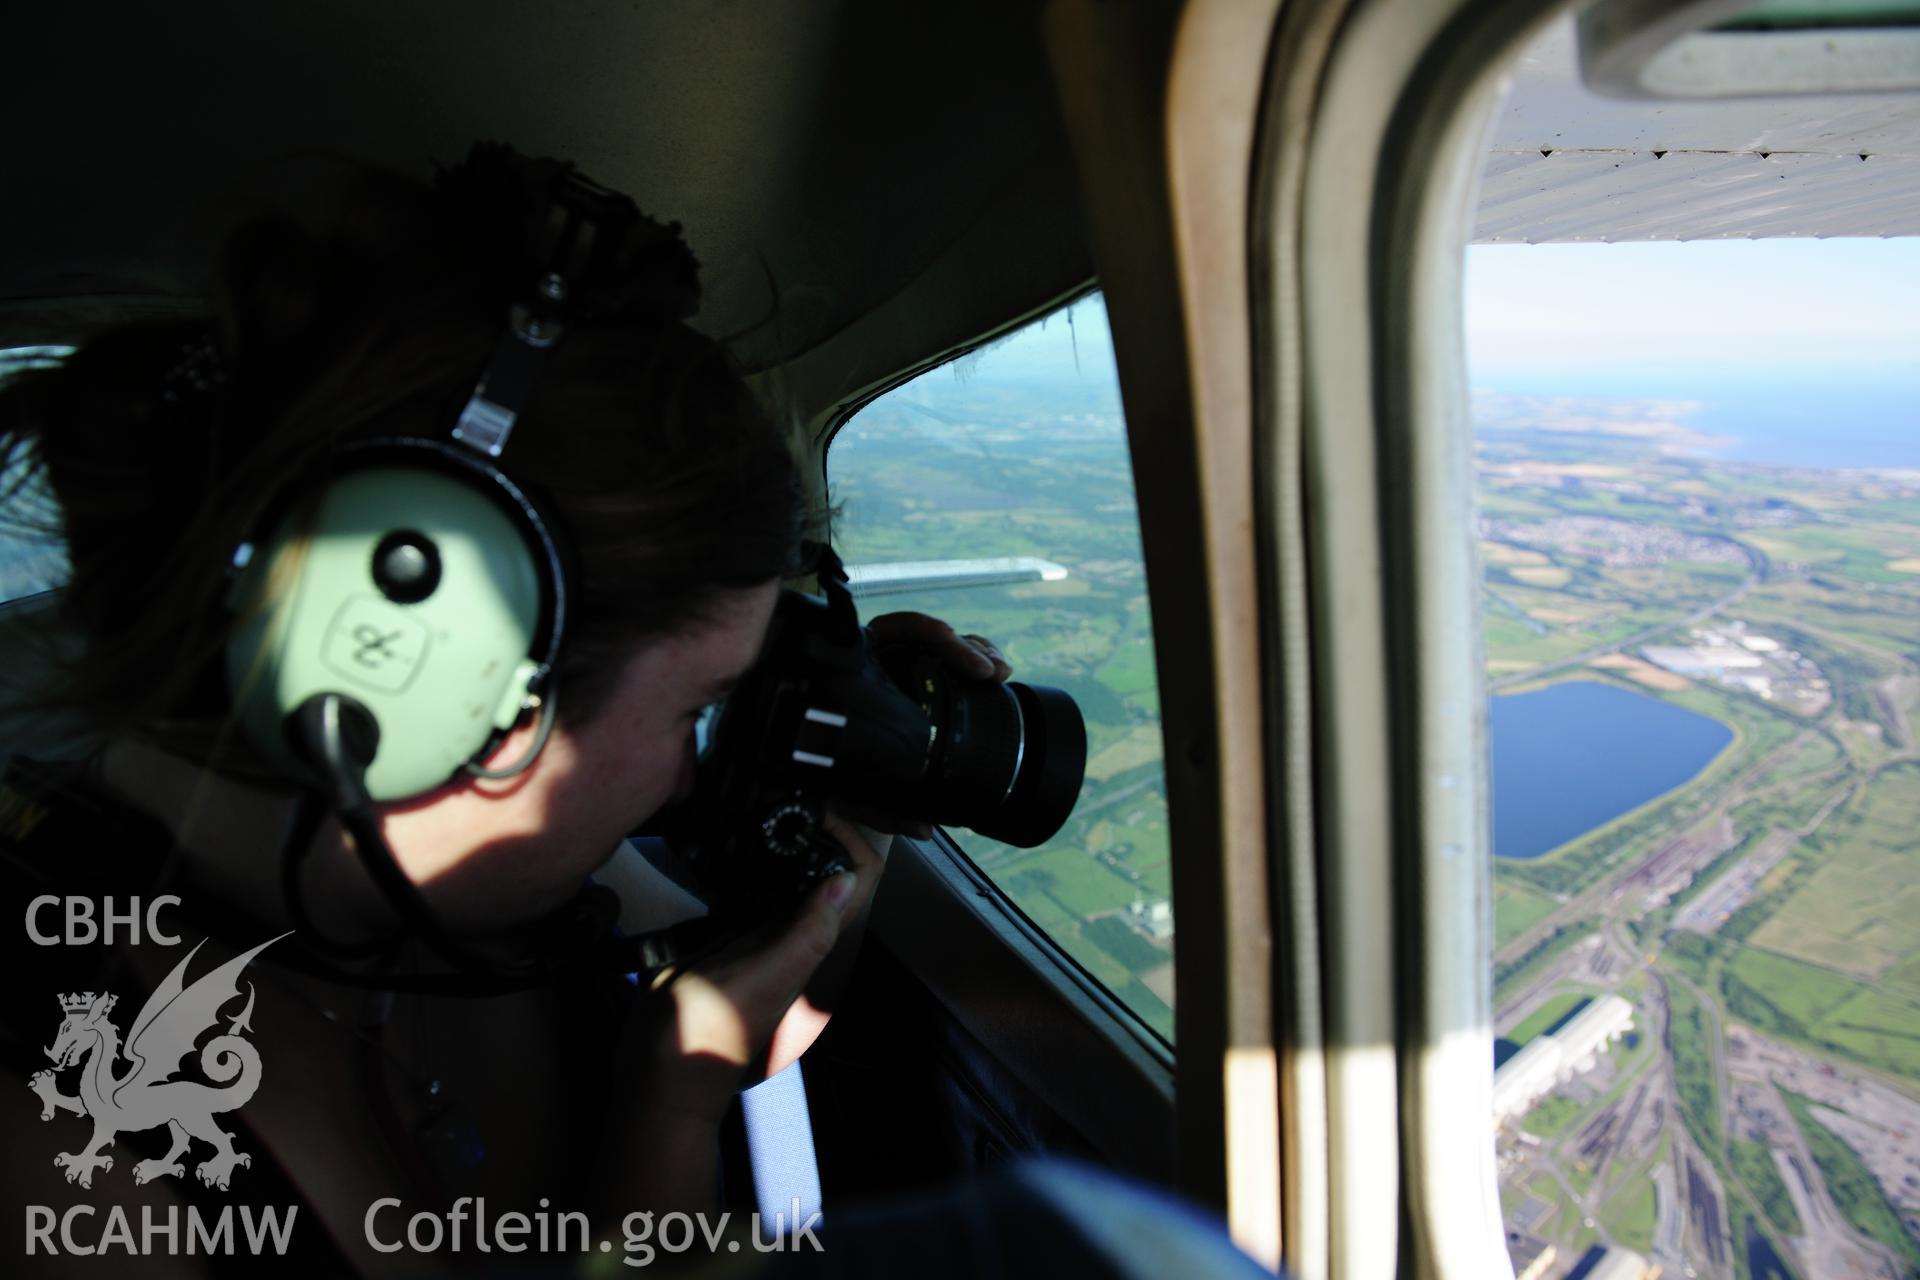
pixel 1547 1061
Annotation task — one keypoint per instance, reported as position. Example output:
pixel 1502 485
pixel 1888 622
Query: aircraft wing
pixel 898 576
pixel 1566 163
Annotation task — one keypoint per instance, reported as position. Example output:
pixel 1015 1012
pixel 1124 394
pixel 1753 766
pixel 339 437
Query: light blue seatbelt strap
pixel 786 1174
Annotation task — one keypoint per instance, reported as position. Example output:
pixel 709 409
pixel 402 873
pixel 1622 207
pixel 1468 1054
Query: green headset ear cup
pixel 442 675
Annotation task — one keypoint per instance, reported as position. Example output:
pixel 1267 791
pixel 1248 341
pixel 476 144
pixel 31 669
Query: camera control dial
pixel 789 829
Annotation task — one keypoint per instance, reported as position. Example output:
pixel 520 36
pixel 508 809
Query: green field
pixel 1831 959
pixel 1517 909
pixel 1816 754
pixel 1856 550
pixel 1801 993
pixel 1629 1215
pixel 1552 1114
pixel 1124 944
pixel 1883 621
pixel 1509 975
pixel 1877 1025
pixel 1878 1030
pixel 1857 913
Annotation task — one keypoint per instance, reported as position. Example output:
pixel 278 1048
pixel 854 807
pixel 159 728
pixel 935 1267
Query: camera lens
pixel 1004 759
pixel 977 747
pixel 830 715
pixel 1051 765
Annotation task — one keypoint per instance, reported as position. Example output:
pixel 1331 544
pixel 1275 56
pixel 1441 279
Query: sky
pixel 1757 303
pixel 1073 337
pixel 1754 304
pixel 1791 352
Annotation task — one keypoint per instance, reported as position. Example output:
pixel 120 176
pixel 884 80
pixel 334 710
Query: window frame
pixel 1016 990
pixel 1299 320
pixel 1394 102
pixel 1163 1049
pixel 1002 977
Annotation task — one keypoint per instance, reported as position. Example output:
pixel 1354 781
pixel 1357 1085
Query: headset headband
pixel 585 227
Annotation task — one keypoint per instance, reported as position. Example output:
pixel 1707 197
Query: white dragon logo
pixel 146 1096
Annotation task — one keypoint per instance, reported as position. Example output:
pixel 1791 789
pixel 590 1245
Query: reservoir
pixel 1573 756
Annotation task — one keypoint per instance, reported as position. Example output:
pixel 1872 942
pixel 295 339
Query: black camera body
pixel 830 713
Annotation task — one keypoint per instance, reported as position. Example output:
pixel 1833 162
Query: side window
pixel 31 559
pixel 996 493
pixel 1702 592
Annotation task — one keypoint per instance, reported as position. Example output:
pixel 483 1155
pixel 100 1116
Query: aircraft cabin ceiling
pixel 868 184
pixel 832 151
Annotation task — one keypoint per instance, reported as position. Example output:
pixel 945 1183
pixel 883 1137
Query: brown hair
pixel 367 304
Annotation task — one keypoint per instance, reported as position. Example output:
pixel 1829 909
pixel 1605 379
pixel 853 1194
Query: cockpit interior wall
pixel 872 168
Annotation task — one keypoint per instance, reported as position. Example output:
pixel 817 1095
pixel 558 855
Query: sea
pixel 1827 416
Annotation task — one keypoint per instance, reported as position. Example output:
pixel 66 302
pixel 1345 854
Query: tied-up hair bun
pixel 636 270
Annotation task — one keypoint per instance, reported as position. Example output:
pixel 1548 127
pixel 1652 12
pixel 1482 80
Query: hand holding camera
pixel 904 718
